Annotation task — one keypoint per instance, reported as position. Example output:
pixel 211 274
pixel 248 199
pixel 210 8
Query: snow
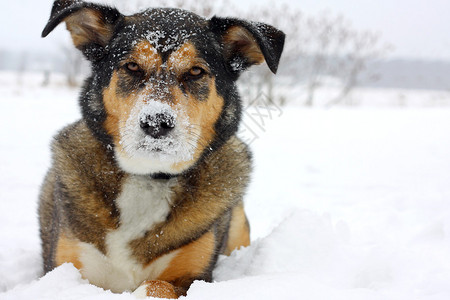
pixel 345 203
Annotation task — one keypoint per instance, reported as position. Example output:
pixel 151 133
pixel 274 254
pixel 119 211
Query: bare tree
pixel 46 80
pixel 365 47
pixel 203 8
pixel 3 59
pixel 22 68
pixel 336 49
pixel 73 65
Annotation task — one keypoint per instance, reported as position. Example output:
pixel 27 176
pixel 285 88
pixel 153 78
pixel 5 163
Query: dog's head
pixel 162 93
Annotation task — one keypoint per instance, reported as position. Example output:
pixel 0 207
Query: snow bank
pixel 64 282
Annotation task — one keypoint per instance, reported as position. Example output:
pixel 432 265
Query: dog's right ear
pixel 90 25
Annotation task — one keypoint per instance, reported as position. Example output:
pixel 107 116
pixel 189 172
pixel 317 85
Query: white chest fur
pixel 142 203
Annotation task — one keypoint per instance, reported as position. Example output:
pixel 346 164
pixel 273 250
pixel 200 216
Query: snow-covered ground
pixel 344 203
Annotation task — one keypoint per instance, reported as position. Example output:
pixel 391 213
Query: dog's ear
pixel 90 25
pixel 248 43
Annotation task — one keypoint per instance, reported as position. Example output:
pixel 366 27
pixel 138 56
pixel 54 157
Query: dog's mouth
pixel 145 148
pixel 165 145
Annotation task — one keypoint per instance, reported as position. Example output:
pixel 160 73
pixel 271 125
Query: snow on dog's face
pixel 162 93
pixel 161 113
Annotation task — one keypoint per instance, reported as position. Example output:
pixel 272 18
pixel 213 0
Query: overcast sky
pixel 416 28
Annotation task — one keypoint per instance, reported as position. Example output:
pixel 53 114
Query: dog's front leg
pixel 157 289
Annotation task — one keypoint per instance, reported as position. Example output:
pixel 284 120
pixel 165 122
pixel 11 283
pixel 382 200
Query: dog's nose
pixel 158 125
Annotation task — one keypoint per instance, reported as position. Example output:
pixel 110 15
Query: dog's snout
pixel 158 125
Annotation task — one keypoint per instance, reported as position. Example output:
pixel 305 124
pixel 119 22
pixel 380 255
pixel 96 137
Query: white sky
pixel 416 28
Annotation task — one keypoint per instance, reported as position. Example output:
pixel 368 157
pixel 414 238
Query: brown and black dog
pixel 146 190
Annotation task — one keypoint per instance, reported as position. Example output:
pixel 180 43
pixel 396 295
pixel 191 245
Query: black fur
pixel 78 197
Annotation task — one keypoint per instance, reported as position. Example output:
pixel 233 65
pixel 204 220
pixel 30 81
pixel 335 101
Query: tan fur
pixel 117 109
pixel 203 115
pixel 146 56
pixel 87 25
pixel 239 232
pixel 239 37
pixel 160 289
pixel 68 250
pixel 185 58
pixel 191 259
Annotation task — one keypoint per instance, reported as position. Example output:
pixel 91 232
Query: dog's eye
pixel 195 73
pixel 133 67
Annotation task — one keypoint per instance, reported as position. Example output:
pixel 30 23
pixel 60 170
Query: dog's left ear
pixel 248 43
pixel 90 25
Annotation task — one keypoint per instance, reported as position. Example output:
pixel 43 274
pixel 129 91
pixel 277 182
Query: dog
pixel 146 190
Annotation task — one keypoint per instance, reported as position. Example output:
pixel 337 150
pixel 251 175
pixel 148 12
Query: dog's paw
pixel 157 289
